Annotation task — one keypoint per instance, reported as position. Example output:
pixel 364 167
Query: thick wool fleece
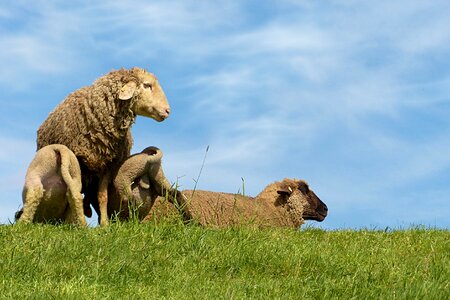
pixel 93 123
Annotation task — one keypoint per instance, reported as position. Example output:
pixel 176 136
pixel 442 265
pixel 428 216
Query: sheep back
pixel 218 209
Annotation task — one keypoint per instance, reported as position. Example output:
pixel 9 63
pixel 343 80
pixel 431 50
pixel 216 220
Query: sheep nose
pixel 164 113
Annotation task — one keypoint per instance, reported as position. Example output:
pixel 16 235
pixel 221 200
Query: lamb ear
pixel 285 190
pixel 127 91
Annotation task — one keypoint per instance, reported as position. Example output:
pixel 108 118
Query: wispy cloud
pixel 344 93
pixel 15 154
pixel 14 158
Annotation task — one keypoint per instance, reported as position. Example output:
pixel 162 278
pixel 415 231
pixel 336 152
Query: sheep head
pixel 296 194
pixel 150 100
pixel 18 214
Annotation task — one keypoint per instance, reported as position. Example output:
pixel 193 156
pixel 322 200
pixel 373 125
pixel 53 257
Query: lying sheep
pixel 281 204
pixel 137 184
pixel 52 189
pixel 95 122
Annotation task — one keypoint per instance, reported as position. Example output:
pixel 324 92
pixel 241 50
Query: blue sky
pixel 352 96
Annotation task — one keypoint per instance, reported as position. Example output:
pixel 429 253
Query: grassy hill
pixel 170 260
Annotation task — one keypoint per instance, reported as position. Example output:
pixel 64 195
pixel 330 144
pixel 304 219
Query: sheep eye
pixel 147 85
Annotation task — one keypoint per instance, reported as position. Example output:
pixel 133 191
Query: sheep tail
pixel 71 175
pixel 64 161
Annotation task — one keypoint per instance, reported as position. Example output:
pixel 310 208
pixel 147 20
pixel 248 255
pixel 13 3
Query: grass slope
pixel 169 260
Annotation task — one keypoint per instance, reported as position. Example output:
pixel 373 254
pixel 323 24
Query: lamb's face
pixel 299 193
pixel 151 100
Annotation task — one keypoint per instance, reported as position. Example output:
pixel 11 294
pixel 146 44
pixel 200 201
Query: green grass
pixel 173 261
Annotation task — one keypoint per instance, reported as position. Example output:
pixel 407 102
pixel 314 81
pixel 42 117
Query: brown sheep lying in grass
pixel 95 121
pixel 52 189
pixel 137 184
pixel 281 204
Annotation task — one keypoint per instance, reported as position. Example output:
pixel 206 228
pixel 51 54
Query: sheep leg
pixel 32 197
pixel 76 207
pixel 103 200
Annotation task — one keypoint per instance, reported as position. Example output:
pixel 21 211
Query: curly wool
pixel 93 123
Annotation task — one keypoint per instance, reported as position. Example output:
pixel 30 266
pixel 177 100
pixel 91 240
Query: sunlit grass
pixel 171 260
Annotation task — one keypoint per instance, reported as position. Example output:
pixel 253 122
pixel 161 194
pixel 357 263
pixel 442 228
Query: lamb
pixel 137 184
pixel 95 122
pixel 52 189
pixel 281 204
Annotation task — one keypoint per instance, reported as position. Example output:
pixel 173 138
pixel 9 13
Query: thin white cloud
pixel 32 53
pixel 15 155
pixel 280 39
pixel 55 39
pixel 15 150
pixel 5 13
pixel 317 81
pixel 415 162
pixel 185 16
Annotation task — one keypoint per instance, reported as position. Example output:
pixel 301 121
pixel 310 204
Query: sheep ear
pixel 286 190
pixel 127 91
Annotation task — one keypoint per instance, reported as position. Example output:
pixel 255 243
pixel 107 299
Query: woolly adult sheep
pixel 52 189
pixel 137 184
pixel 95 121
pixel 281 204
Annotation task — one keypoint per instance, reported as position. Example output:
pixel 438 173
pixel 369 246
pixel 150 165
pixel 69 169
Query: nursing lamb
pixel 52 189
pixel 137 184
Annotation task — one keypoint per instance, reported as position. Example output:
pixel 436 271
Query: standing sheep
pixel 95 122
pixel 137 184
pixel 281 204
pixel 52 189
